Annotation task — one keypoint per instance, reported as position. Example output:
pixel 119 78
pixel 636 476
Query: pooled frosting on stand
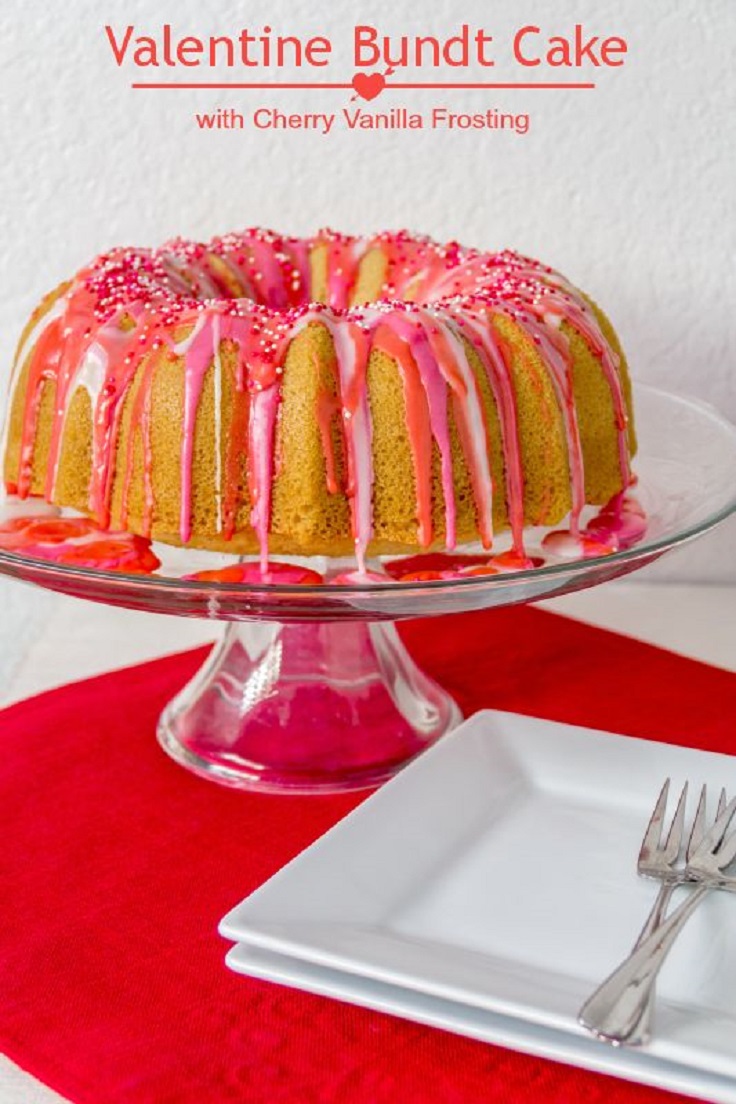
pixel 78 542
pixel 254 290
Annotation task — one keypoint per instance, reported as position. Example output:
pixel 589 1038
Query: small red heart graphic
pixel 369 85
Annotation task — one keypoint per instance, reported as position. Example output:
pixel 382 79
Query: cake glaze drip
pixel 255 292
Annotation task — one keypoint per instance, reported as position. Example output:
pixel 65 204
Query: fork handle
pixel 641 1031
pixel 658 911
pixel 615 1010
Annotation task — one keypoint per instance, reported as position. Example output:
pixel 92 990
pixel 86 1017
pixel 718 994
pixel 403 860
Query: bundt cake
pixel 319 396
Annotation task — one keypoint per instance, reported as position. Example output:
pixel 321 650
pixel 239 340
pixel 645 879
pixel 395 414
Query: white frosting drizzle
pixel 217 360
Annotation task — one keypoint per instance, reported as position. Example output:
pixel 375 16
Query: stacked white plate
pixel 491 886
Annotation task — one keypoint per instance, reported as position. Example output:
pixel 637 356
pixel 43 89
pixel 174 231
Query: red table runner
pixel 116 865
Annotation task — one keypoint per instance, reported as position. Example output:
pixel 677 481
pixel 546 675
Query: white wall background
pixel 630 189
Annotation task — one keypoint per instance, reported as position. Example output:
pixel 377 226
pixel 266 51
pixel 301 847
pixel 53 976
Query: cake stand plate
pixel 311 690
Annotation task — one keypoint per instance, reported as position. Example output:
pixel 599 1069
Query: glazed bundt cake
pixel 319 396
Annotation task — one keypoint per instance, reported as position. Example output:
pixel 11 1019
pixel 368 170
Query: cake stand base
pixel 316 707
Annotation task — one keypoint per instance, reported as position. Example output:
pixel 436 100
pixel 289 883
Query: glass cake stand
pixel 310 688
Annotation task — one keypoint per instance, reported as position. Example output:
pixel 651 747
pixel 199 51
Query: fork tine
pixel 698 829
pixel 727 852
pixel 721 803
pixel 712 838
pixel 653 834
pixel 674 836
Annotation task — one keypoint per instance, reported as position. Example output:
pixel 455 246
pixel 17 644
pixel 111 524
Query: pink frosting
pixel 618 525
pixel 79 543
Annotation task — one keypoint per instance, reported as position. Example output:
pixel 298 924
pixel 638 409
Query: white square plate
pixel 497 873
pixel 514 1034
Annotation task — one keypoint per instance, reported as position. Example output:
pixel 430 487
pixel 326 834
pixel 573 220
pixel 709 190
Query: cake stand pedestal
pixel 311 690
pixel 306 707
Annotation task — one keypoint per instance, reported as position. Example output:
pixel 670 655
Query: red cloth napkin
pixel 116 865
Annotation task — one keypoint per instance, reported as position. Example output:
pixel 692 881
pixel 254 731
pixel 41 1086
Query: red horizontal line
pixel 270 84
pixel 392 84
pixel 509 84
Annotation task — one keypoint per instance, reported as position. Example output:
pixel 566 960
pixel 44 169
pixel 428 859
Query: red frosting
pixel 286 574
pixel 433 562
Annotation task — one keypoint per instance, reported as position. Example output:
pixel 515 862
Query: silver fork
pixel 618 1011
pixel 657 859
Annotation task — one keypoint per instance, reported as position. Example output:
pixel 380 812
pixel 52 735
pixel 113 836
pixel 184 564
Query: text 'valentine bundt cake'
pixel 319 396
